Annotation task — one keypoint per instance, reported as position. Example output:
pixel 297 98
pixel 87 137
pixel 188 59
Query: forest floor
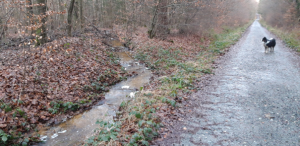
pixel 252 98
pixel 49 84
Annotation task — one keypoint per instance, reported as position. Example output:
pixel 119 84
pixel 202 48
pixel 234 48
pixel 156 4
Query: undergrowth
pixel 177 69
pixel 290 38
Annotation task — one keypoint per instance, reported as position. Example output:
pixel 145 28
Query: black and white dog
pixel 269 44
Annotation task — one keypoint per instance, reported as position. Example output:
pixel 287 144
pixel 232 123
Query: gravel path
pixel 253 99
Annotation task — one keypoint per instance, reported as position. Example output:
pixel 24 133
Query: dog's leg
pixel 266 49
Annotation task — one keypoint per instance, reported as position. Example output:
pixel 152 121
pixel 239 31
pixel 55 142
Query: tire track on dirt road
pixel 253 99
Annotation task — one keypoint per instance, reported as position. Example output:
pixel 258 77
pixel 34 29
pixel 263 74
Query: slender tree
pixel 70 11
pixel 81 15
pixel 163 17
pixel 41 34
pixel 29 13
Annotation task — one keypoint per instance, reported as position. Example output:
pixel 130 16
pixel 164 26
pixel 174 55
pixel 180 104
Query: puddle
pixel 116 43
pixel 81 127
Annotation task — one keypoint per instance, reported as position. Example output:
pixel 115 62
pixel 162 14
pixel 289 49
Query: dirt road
pixel 253 99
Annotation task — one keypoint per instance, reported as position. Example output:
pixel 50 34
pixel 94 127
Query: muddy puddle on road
pixel 81 127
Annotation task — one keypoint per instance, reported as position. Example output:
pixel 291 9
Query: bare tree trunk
pixel 160 19
pixel 152 31
pixel 97 11
pixel 298 8
pixel 163 17
pixel 76 12
pixel 61 8
pixel 75 9
pixel 81 15
pixel 70 11
pixel 1 28
pixel 4 28
pixel 111 13
pixel 41 35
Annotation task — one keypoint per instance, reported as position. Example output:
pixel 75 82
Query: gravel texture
pixel 253 99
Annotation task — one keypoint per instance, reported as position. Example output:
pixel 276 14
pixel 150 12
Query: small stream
pixel 80 127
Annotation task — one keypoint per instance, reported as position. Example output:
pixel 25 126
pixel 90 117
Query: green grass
pixel 290 38
pixel 227 38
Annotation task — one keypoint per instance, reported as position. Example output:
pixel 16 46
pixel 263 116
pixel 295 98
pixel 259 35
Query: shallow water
pixel 80 127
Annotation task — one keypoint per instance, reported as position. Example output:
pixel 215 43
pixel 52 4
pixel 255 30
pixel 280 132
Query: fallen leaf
pixel 33 120
pixel 2 95
pixel 34 102
pixel 3 125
